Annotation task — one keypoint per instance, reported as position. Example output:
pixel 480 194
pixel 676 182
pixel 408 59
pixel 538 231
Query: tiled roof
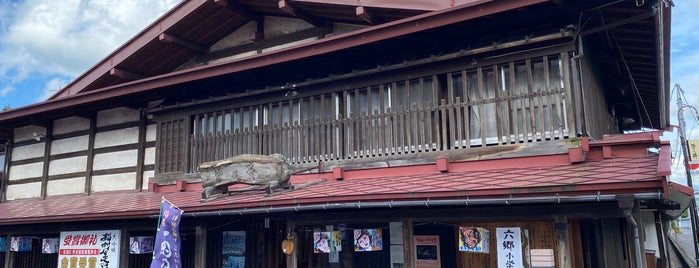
pixel 606 176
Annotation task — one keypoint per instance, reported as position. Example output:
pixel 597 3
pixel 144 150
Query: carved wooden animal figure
pixel 271 171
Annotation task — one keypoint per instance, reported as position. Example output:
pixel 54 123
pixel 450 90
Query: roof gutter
pixel 554 199
pixel 389 30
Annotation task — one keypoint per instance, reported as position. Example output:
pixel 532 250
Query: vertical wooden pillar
pixel 201 235
pixel 292 259
pixel 124 248
pixel 142 127
pixel 47 159
pixel 562 242
pixel 408 254
pixel 6 172
pixel 9 255
pixel 90 153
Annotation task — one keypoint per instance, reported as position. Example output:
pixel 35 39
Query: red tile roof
pixel 602 177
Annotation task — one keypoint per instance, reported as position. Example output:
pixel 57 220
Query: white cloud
pixel 6 90
pixel 67 37
pixel 51 87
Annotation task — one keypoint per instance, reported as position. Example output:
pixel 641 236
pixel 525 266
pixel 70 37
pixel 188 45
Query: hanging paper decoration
pixel 509 241
pixel 141 244
pixel 49 245
pixel 474 239
pixel 427 251
pixel 367 240
pixel 233 249
pixel 19 244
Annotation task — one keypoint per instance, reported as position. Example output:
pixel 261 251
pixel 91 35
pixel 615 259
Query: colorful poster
pixel 474 239
pixel 427 251
pixel 233 249
pixel 19 244
pixel 141 244
pixel 327 242
pixel 49 245
pixel 3 244
pixel 509 241
pixel 89 249
pixel 166 252
pixel 367 240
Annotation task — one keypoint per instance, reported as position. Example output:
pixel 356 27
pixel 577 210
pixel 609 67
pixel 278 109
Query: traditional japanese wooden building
pixel 407 121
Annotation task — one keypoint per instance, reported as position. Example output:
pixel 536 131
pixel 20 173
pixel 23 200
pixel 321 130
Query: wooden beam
pixel 123 74
pixel 171 39
pixel 90 154
pixel 367 16
pixel 239 9
pixel 47 154
pixel 288 8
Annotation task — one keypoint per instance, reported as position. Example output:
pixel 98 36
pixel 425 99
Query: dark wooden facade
pixel 382 93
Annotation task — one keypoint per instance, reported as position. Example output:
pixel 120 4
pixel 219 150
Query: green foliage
pixel 6 108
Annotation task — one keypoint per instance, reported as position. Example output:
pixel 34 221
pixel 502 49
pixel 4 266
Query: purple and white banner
pixel 166 253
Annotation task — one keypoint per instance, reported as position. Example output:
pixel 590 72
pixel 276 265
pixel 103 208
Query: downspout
pixel 636 238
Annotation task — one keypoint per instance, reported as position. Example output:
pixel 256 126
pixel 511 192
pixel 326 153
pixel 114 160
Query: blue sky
pixel 44 44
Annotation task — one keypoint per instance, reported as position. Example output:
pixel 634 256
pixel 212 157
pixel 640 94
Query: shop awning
pixel 591 181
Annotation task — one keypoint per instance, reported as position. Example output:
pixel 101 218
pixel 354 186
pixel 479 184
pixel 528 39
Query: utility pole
pixel 690 183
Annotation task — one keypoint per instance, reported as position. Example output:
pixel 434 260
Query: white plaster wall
pixel 116 116
pixel 243 35
pixel 26 133
pixel 32 170
pixel 340 28
pixel 278 26
pixel 149 157
pixel 66 186
pixel 116 137
pixel 651 238
pixel 69 145
pixel 146 178
pixel 115 160
pixel 25 190
pixel 28 151
pixel 68 165
pixel 151 132
pixel 125 181
pixel 70 124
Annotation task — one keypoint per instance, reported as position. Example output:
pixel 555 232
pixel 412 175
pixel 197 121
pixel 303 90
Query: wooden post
pixel 9 255
pixel 200 233
pixel 408 243
pixel 562 242
pixel 124 248
pixel 292 259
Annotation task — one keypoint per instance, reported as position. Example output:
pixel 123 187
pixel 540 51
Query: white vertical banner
pixel 509 244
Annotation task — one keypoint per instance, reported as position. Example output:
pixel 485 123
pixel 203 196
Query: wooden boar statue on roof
pixel 268 171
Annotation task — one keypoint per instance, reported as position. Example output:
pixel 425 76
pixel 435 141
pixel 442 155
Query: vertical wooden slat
pixel 395 103
pixel 382 120
pixel 413 143
pixel 547 91
pixel 498 115
pixel 459 123
pixel 530 92
pixel 433 135
pixel 443 114
pixel 538 95
pixel 567 101
pixel 467 106
pixel 345 139
pixel 323 138
pixel 421 142
pixel 516 97
pixel 481 108
pixel 390 128
pixel 505 100
pixel 451 96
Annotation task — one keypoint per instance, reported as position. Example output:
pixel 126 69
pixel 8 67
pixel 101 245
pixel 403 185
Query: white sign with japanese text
pixel 509 243
pixel 89 249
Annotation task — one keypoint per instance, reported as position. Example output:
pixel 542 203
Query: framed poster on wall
pixel 427 251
